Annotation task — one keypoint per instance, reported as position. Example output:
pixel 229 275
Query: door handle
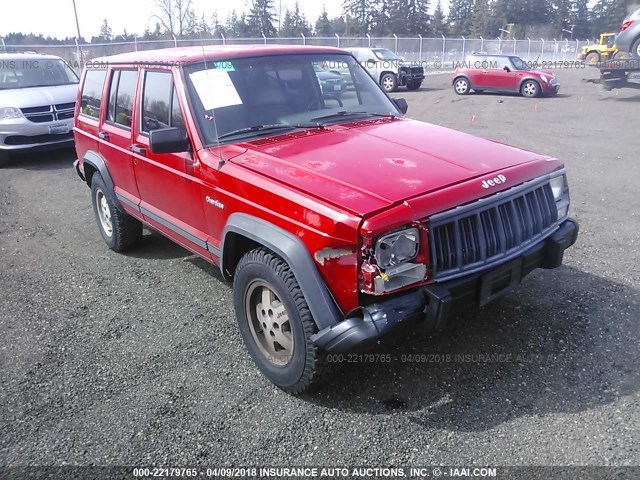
pixel 138 149
pixel 103 136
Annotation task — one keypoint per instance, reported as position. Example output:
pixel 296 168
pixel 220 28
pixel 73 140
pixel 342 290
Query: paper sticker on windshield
pixel 215 89
pixel 224 66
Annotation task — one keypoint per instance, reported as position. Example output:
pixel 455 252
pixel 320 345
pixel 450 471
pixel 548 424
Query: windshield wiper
pixel 265 128
pixel 344 113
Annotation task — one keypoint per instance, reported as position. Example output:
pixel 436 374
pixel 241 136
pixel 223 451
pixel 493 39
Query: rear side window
pixel 160 108
pixel 92 92
pixel 121 96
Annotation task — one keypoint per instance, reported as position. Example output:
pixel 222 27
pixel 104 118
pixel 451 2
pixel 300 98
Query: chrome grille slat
pixel 49 113
pixel 463 242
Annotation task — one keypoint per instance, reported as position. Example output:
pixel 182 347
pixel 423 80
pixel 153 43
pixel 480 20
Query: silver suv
pixel 37 101
pixel 390 70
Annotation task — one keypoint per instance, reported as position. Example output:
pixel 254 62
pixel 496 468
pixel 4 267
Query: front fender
pixel 288 246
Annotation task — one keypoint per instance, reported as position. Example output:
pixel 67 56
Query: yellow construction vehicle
pixel 603 49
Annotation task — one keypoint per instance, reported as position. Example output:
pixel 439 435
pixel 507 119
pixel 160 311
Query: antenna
pixel 213 115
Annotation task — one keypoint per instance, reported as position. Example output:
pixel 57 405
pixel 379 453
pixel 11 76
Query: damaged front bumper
pixel 432 304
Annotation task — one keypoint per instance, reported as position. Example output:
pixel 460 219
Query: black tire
pixel 125 231
pixel 461 86
pixel 389 82
pixel 286 318
pixel 530 89
pixel 414 84
pixel 635 49
pixel 592 58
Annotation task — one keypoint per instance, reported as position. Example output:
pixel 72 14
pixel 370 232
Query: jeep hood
pixel 370 165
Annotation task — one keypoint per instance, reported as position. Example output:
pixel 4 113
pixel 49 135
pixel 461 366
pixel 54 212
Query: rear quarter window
pixel 92 92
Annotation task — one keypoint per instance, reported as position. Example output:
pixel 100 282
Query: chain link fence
pixel 441 51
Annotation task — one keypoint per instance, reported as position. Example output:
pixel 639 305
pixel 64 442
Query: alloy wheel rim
pixel 104 213
pixel 461 86
pixel 388 83
pixel 529 89
pixel 269 323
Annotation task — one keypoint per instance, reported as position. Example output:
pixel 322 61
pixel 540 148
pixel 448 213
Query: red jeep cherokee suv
pixel 338 219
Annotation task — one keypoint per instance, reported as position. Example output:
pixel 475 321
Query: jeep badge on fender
pixel 267 165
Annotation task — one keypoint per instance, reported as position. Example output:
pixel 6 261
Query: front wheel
pixel 389 82
pixel 592 58
pixel 461 86
pixel 275 322
pixel 119 230
pixel 530 89
pixel 414 84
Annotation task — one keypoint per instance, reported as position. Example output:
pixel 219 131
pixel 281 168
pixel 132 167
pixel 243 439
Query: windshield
pixel 247 97
pixel 28 73
pixel 519 64
pixel 384 54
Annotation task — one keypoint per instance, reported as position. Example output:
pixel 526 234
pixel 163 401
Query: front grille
pixel 49 113
pixel 489 230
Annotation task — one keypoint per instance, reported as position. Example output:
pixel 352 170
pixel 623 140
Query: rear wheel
pixel 461 86
pixel 592 58
pixel 119 230
pixel 530 89
pixel 414 84
pixel 275 322
pixel 389 82
pixel 635 50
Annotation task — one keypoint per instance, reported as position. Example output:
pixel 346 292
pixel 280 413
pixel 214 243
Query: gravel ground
pixel 134 359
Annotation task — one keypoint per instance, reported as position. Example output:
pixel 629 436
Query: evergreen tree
pixel 359 15
pixel 579 15
pixel 260 19
pixel 323 25
pixel 380 18
pixel 295 24
pixel 607 15
pixel 105 31
pixel 409 17
pixel 460 17
pixel 438 25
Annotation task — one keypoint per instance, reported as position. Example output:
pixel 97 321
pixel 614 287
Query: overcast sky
pixel 55 17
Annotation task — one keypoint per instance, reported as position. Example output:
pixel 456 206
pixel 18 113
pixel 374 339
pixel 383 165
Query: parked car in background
pixel 37 100
pixel 628 39
pixel 502 73
pixel 331 82
pixel 388 69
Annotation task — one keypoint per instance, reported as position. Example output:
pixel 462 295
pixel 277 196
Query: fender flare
pixel 97 161
pixel 323 308
pixel 462 75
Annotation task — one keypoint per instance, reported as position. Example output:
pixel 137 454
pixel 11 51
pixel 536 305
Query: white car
pixel 37 101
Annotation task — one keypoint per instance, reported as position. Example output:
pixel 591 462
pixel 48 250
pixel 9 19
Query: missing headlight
pixel 396 248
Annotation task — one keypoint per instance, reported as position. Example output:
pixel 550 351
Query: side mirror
pixel 506 69
pixel 168 140
pixel 401 103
